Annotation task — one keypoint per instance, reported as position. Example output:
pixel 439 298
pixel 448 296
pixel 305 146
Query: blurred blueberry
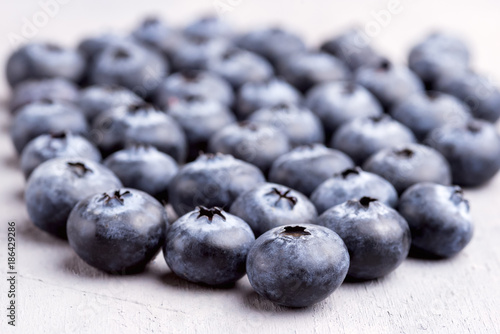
pixel 209 246
pixel 439 218
pixel 91 47
pixel 353 184
pixel 422 113
pixel 154 33
pixel 194 53
pixel 270 205
pixel 300 125
pixel 297 265
pixel 209 27
pixel 364 136
pixel 119 231
pixel 472 149
pixel 405 165
pixel 212 180
pixel 306 167
pixel 56 145
pixel 55 187
pixel 42 61
pixel 45 116
pixel 377 237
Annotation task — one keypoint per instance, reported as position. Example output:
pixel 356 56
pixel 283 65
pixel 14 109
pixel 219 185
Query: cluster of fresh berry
pixel 264 106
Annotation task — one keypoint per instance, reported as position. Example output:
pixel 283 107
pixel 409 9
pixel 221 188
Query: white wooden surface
pixel 58 293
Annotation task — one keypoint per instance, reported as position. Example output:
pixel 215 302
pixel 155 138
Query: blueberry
pixel 129 64
pixel 154 33
pixel 438 55
pixel 300 125
pixel 480 94
pixel 362 137
pixel 239 66
pixel 56 145
pixel 117 231
pixel 193 83
pixel 200 118
pixel 377 237
pixel 256 95
pixel 209 246
pixel 95 100
pixel 144 168
pixel 139 124
pixel 352 48
pixel 91 47
pixel 297 265
pixel 55 89
pixel 439 218
pixel 306 69
pixel 306 167
pixel 195 53
pixel 55 187
pixel 353 184
pixel 405 165
pixel 389 83
pixel 272 43
pixel 256 143
pixel 44 60
pixel 422 113
pixel 270 205
pixel 472 149
pixel 209 27
pixel 212 180
pixel 336 103
pixel 45 116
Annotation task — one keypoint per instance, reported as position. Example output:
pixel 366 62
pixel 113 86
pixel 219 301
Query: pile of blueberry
pixel 285 128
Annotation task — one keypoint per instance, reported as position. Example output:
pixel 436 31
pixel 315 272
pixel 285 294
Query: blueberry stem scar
pixel 79 168
pixel 210 213
pixel 295 231
pixel 291 199
pixel 116 195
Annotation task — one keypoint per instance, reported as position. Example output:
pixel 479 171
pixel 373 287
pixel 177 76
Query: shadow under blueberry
pixel 171 279
pixel 28 231
pixel 420 254
pixel 253 300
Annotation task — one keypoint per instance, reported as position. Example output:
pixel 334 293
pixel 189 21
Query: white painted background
pixel 57 293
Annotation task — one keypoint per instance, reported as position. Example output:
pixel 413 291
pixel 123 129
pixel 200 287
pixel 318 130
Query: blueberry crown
pixel 283 195
pixel 405 153
pixel 365 201
pixel 210 213
pixel 349 171
pixel 457 197
pixel 79 168
pixel 294 231
pixel 117 195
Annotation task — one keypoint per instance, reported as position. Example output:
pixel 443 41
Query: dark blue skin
pixel 297 265
pixel 438 217
pixel 352 48
pixel 353 184
pixel 364 136
pixel 56 145
pixel 306 167
pixel 239 66
pixel 131 65
pixel 118 231
pixel 91 47
pixel 55 89
pixel 256 143
pixel 144 168
pixel 304 70
pixel 336 103
pixel 194 53
pixel 209 27
pixel 44 60
pixel 423 113
pixel 155 33
pixel 58 184
pixel 193 83
pixel 139 124
pixel 200 118
pixel 270 205
pixel 94 100
pixel 390 83
pixel 405 165
pixel 212 180
pixel 268 93
pixel 438 55
pixel 271 43
pixel 45 116
pixel 377 237
pixel 472 149
pixel 208 246
pixel 300 125
pixel 480 94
